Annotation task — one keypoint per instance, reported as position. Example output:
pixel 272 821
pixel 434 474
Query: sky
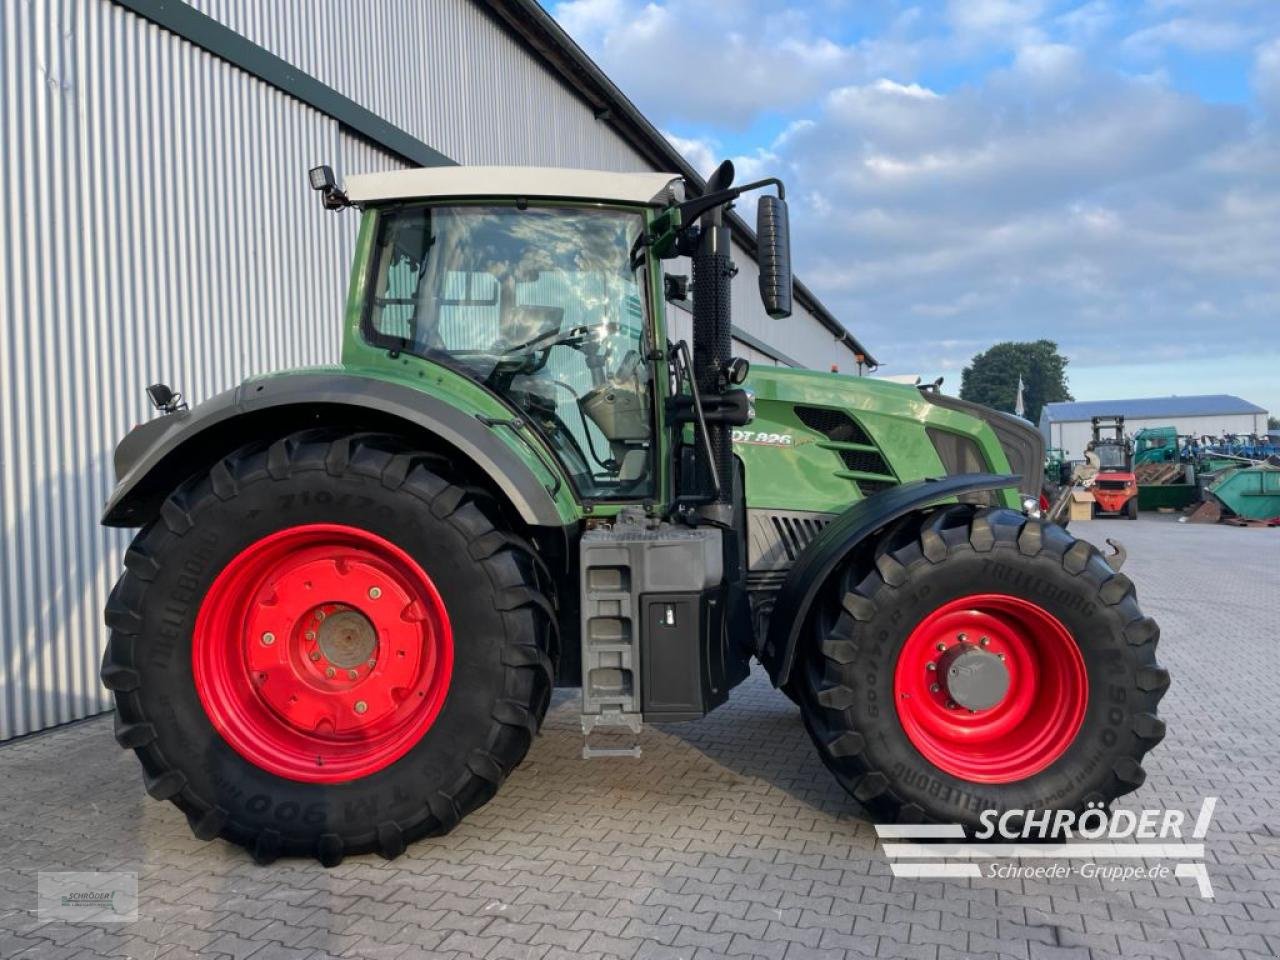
pixel 1105 174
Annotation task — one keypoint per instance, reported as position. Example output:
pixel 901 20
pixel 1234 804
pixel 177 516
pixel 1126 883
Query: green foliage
pixel 992 377
pixel 1273 423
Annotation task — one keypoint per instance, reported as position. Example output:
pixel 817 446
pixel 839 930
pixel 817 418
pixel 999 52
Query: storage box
pixel 1081 505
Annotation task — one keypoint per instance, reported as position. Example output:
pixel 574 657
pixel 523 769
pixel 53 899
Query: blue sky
pixel 1102 173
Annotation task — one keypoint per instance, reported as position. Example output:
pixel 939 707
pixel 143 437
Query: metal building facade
pixel 157 225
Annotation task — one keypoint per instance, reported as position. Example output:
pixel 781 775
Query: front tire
pixel 324 646
pixel 1051 701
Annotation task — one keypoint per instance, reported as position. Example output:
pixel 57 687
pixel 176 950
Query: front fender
pixel 159 454
pixel 842 535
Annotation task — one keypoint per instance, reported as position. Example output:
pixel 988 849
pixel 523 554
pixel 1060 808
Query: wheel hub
pixel 346 639
pixel 973 678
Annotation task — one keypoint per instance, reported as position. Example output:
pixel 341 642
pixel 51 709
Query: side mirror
pixel 773 256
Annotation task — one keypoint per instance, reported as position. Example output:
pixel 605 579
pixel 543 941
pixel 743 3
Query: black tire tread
pixel 851 592
pixel 529 650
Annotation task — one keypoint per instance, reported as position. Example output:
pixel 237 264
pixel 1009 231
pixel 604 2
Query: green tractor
pixel 354 587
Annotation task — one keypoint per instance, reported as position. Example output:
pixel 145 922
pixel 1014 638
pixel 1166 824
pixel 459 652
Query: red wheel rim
pixel 322 653
pixel 1035 720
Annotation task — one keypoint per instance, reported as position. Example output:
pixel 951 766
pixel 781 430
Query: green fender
pixel 159 454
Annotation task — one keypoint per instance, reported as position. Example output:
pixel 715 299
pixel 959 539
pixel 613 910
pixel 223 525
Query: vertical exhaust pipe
pixel 712 324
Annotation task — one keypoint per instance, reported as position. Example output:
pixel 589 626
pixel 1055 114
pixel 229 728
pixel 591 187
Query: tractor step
pixel 613 726
pixel 644 586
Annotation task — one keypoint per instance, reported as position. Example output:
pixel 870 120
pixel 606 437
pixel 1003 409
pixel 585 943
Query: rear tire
pixel 1131 508
pixel 1049 599
pixel 399 768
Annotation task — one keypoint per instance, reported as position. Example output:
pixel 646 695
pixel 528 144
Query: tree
pixel 1273 423
pixel 992 377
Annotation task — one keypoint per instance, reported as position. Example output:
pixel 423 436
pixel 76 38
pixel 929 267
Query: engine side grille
pixel 840 427
pixel 834 424
pixel 776 537
pixel 864 461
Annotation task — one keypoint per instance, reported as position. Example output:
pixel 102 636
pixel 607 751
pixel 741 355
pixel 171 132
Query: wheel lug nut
pixel 315 654
pixel 319 614
pixel 351 674
pixel 375 593
pixel 962 637
pixel 941 647
pixel 1000 655
pixel 934 688
pixel 310 634
pixel 361 706
pixel 931 666
pixel 984 641
pixel 372 662
pixel 330 672
pixel 951 704
pixel 268 638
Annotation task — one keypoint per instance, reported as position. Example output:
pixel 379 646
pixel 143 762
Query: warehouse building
pixel 159 227
pixel 1069 426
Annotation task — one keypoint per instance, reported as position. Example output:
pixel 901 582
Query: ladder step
pixel 592 753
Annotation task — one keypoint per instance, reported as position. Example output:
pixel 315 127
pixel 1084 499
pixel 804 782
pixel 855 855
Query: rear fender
pixel 847 532
pixel 158 455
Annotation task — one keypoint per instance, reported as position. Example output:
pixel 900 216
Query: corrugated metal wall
pixel 157 225
pixel 442 70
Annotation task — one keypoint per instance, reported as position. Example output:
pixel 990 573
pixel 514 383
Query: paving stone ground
pixel 727 838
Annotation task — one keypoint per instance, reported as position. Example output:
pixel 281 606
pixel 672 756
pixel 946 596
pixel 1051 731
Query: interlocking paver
pixel 727 838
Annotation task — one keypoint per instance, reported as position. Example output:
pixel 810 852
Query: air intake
pixel 833 424
pixel 865 461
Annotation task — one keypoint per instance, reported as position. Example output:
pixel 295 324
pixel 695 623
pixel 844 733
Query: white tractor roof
pixel 540 182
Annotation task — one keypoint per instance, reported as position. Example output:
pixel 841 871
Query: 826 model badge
pixel 760 437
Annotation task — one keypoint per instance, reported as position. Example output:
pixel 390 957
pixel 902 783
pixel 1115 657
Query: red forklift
pixel 1115 488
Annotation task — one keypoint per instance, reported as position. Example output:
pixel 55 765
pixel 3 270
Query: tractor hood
pixel 820 441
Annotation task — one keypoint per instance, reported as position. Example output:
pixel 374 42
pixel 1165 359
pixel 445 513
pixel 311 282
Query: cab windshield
pixel 543 307
pixel 1111 455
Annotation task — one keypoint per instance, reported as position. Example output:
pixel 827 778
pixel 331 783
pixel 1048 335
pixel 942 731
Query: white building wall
pixel 158 226
pixel 1074 435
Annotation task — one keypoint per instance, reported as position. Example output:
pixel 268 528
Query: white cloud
pixel 1044 196
pixel 1266 76
pixel 1005 20
pixel 1090 209
pixel 725 63
pixel 1199 35
pixel 1087 21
